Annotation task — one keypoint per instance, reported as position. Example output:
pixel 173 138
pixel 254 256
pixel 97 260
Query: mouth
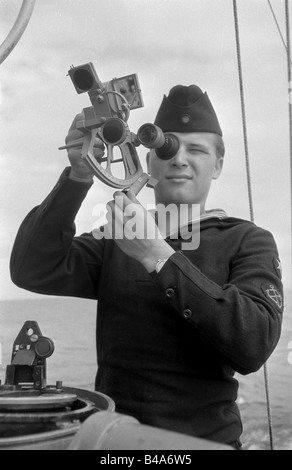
pixel 179 178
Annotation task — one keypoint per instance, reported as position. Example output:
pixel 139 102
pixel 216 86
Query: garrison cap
pixel 187 109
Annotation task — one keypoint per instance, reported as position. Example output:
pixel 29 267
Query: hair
pixel 219 146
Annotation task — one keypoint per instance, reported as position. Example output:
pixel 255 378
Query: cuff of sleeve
pixel 184 286
pixel 65 177
pixel 179 265
pixel 67 196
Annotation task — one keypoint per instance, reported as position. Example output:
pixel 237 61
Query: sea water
pixel 70 323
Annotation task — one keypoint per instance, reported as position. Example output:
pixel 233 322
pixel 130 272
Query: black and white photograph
pixel 146 227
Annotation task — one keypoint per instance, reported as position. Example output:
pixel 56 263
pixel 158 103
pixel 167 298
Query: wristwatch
pixel 159 265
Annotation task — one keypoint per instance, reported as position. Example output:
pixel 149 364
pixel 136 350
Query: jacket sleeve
pixel 240 320
pixel 47 258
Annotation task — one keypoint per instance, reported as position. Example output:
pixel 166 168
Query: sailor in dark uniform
pixel 174 323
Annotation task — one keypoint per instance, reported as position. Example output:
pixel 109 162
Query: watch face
pixel 160 264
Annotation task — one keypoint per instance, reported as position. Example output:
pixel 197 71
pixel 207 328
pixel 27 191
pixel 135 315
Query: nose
pixel 180 158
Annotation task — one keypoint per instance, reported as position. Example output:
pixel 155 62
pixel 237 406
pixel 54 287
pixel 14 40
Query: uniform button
pixel 57 186
pixel 169 293
pixel 187 314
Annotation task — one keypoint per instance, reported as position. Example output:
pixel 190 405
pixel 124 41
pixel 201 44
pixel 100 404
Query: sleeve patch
pixel 273 295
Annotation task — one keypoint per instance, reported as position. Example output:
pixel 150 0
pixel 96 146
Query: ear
pixel 218 168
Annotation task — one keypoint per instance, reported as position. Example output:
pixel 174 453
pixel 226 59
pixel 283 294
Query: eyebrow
pixel 198 146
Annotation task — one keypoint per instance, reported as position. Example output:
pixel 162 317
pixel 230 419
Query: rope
pixel 278 27
pixel 270 423
pixel 243 111
pixel 290 100
pixel 277 24
pixel 250 189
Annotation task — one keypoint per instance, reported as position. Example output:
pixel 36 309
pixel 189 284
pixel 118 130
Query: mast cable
pixel 287 16
pixel 236 23
pixel 242 99
pixel 277 24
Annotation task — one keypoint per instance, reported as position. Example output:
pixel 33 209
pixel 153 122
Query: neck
pixel 184 207
pixel 172 216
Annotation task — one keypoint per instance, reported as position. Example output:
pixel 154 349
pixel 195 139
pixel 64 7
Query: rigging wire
pixel 270 421
pixel 242 99
pixel 277 24
pixel 287 16
pixel 287 46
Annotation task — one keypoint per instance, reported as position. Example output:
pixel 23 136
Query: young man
pixel 173 325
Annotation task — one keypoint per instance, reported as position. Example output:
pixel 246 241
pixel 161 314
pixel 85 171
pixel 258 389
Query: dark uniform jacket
pixel 167 344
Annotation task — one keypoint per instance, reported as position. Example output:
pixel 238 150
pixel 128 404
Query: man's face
pixel 187 177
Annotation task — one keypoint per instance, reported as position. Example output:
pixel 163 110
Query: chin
pixel 178 197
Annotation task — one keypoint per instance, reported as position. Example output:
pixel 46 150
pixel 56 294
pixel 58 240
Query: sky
pixel 166 42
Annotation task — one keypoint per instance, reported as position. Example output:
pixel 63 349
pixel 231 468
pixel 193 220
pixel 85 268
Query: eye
pixel 197 150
